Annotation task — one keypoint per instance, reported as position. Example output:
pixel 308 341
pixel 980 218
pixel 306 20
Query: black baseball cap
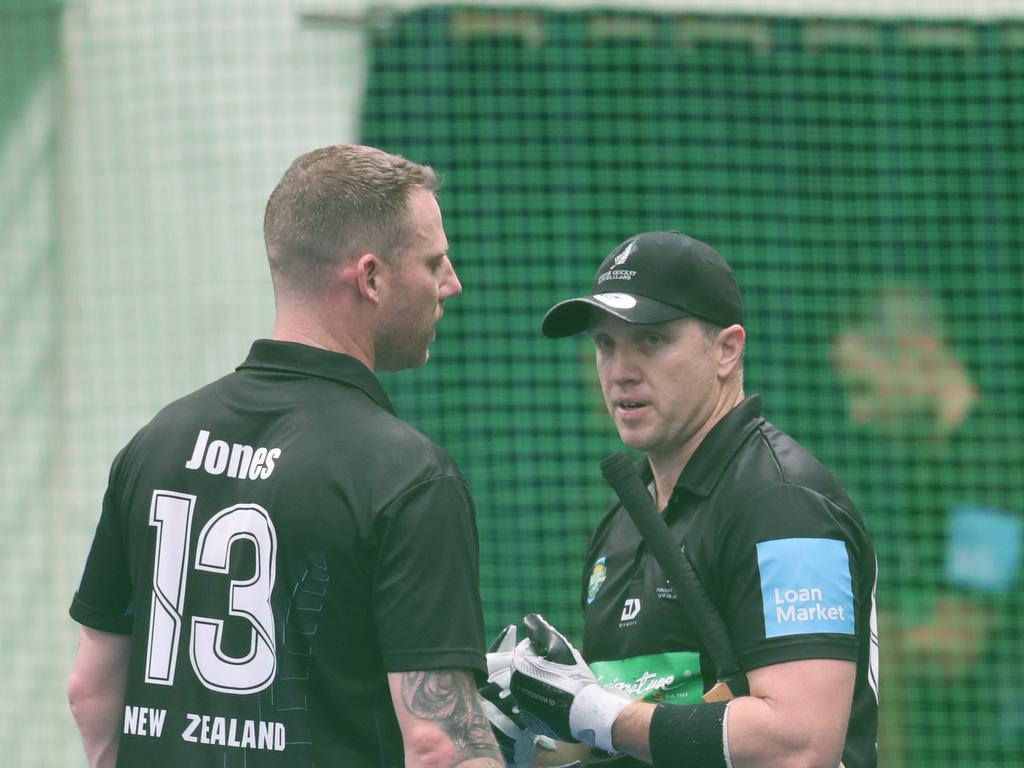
pixel 651 278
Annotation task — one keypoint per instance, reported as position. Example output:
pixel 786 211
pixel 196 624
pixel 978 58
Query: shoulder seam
pixel 441 476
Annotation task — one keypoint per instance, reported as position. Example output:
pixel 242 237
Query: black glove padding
pixel 549 642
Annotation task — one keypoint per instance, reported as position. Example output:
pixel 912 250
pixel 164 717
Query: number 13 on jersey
pixel 171 514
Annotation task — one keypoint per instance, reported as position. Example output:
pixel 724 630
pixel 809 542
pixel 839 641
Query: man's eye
pixel 653 340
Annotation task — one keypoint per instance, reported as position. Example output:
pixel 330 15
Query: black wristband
pixel 688 734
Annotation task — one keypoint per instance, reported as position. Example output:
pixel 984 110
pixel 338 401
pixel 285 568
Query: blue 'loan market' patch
pixel 805 587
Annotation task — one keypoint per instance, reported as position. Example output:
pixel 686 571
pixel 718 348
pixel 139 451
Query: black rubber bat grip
pixel 621 474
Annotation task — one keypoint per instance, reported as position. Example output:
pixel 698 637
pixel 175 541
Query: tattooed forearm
pixel 448 698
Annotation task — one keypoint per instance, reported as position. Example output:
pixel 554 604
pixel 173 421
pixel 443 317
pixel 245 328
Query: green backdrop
pixel 864 178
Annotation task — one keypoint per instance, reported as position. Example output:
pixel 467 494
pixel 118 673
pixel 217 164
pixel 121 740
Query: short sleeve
pixel 793 570
pixel 104 597
pixel 427 581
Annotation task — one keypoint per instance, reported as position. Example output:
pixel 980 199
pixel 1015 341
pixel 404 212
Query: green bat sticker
pixel 661 677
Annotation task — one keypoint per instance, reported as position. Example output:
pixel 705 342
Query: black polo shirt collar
pixel 270 355
pixel 705 467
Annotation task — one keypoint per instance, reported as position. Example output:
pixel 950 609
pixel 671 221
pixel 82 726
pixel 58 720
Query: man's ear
pixel 731 341
pixel 367 274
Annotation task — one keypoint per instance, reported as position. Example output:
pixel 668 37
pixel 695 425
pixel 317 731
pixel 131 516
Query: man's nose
pixel 623 365
pixel 453 287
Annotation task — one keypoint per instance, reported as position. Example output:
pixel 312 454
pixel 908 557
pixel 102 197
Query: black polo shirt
pixel 276 543
pixel 783 554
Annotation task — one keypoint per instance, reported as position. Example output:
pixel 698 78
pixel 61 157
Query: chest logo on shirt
pixel 597 577
pixel 805 587
pixel 630 610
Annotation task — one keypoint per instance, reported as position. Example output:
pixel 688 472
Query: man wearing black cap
pixel 778 546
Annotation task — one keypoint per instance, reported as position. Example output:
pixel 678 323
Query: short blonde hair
pixel 336 202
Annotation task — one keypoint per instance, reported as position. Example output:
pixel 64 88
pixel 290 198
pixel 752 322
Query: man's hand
pixel 517 744
pixel 557 693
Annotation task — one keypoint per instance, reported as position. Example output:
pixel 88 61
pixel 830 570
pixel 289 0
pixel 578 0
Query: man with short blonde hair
pixel 284 573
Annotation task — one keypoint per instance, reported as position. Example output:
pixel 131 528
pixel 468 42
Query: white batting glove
pixel 557 693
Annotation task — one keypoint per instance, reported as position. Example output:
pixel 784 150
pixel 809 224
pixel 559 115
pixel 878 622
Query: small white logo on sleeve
pixel 806 587
pixel 630 608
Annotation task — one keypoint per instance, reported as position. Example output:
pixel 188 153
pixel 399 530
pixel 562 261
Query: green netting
pixel 865 179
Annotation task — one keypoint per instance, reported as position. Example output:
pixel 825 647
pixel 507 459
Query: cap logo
pixel 617 300
pixel 614 273
pixel 621 258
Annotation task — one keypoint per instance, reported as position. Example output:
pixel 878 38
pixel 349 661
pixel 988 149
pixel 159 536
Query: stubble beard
pixel 397 351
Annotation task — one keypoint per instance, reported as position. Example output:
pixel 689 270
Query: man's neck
pixel 667 469
pixel 306 328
